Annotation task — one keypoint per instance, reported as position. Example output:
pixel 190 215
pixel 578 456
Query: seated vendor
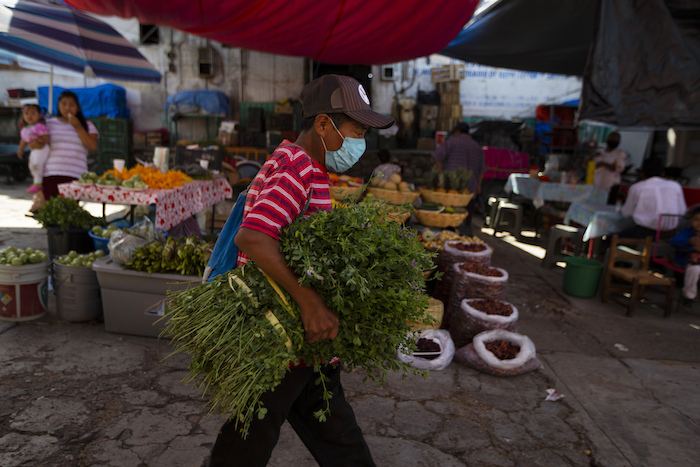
pixel 651 197
pixel 609 162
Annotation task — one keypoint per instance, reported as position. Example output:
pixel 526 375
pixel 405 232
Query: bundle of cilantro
pixel 242 330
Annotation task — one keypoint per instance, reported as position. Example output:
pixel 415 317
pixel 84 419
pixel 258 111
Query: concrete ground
pixel 72 394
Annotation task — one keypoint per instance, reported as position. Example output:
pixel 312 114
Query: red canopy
pixel 335 31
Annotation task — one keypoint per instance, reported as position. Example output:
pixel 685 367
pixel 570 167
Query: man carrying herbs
pixel 292 182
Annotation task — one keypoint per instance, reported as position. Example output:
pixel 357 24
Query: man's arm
pixel 319 321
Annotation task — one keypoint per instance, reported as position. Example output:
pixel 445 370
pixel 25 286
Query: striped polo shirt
pixel 279 192
pixel 68 156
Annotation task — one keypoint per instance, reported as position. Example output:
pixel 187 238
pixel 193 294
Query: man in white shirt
pixel 651 197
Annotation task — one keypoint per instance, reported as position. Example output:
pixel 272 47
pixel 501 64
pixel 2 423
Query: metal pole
pixel 51 91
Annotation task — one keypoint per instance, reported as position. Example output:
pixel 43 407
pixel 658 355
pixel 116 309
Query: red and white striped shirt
pixel 279 192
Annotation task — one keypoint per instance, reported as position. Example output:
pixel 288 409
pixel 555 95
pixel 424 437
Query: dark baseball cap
pixel 340 94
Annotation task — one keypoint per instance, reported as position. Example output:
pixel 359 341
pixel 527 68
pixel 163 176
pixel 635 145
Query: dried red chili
pixel 503 350
pixel 492 307
pixel 474 247
pixel 480 270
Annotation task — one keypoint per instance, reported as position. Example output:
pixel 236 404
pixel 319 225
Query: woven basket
pixel 397 214
pixel 440 219
pixel 393 196
pixel 446 199
pixel 436 309
pixel 340 192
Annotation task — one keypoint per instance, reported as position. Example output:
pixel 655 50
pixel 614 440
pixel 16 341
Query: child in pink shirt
pixel 34 134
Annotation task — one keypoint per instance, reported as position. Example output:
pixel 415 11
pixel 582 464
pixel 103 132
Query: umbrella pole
pixel 51 91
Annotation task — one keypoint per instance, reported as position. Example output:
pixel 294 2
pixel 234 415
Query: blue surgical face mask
pixel 349 153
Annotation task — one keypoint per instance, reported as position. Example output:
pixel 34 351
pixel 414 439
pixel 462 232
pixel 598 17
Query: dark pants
pixel 336 442
pixel 466 227
pixel 50 184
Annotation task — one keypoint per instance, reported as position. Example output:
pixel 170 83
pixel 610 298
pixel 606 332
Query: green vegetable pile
pixel 185 256
pixel 109 179
pixel 242 330
pixel 105 233
pixel 12 256
pixel 134 182
pixel 66 213
pixel 89 177
pixel 84 260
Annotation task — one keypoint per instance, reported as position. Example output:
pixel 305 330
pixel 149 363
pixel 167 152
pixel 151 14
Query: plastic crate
pixel 133 301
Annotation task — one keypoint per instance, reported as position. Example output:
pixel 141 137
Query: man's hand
pixel 319 321
pixel 20 154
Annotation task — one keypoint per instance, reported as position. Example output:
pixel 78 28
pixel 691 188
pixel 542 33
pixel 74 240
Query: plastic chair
pixel 638 277
pixel 557 234
pixel 663 254
pixel 516 213
pixel 492 210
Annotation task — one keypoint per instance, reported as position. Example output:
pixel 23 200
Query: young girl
pixel 71 138
pixel 35 134
pixel 688 243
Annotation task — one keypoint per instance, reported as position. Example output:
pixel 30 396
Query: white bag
pixel 439 363
pixel 527 348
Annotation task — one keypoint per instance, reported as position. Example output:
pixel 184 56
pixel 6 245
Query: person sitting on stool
pixel 651 197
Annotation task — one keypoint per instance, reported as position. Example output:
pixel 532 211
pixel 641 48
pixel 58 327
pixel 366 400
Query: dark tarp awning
pixel 548 36
pixel 644 69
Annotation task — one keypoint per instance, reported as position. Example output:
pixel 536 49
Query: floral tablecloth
pixel 172 206
pixel 539 192
pixel 599 219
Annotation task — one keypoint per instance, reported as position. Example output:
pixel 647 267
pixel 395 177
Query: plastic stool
pixel 513 209
pixel 556 234
pixel 492 209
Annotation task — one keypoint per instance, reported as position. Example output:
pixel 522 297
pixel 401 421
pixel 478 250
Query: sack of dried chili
pixel 439 363
pixel 476 315
pixel 476 355
pixel 458 252
pixel 474 281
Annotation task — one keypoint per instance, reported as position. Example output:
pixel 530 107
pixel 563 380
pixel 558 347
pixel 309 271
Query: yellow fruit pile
pixel 153 178
pixel 394 183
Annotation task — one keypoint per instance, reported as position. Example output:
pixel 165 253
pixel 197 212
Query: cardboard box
pixel 133 301
pixel 228 138
pixel 154 138
pixel 425 144
pixel 444 73
pixel 139 139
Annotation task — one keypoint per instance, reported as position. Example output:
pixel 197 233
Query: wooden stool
pixel 558 233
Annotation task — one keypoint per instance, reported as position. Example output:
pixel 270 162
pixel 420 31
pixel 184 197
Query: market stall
pixel 172 206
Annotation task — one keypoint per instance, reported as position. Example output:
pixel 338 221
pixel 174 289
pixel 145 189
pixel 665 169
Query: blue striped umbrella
pixel 62 36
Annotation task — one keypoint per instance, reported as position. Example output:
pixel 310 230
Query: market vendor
pixel 609 162
pixel 293 181
pixel 460 150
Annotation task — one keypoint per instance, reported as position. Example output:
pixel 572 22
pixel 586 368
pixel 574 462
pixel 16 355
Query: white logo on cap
pixel 363 94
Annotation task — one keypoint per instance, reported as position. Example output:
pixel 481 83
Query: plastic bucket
pixel 100 243
pixel 581 276
pixel 23 291
pixel 62 241
pixel 78 296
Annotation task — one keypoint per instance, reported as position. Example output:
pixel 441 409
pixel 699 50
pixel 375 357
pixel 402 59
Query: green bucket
pixel 581 276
